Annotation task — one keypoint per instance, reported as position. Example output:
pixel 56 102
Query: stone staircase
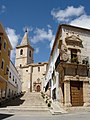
pixel 57 109
pixel 29 102
pixel 34 101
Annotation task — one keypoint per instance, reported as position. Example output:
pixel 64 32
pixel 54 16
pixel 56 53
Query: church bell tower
pixel 24 52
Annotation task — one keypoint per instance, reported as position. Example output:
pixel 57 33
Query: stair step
pixel 23 109
pixel 30 102
pixel 28 107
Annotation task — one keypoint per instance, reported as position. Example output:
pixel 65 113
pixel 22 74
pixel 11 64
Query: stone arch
pixel 38 88
pixel 37 85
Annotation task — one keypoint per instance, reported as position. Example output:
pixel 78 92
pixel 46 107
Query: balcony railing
pixel 79 60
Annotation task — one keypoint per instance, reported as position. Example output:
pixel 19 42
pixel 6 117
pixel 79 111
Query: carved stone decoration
pixel 65 57
pixel 38 80
pixel 74 41
pixel 59 44
pixel 63 48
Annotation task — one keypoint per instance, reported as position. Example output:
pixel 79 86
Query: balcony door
pixel 73 55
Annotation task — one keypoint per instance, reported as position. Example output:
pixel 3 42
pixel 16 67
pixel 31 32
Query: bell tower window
pixel 20 65
pixel 21 52
pixel 30 53
pixel 38 69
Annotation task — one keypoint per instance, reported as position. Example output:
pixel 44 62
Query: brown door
pixel 38 88
pixel 76 89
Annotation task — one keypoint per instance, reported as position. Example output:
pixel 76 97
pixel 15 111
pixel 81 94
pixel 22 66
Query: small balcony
pixel 73 66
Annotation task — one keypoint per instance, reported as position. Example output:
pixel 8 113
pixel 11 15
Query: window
pixel 0 38
pixel 2 65
pixel 4 45
pixel 13 78
pixel 7 70
pixel 10 75
pixel 9 91
pixel 20 65
pixel 30 53
pixel 21 52
pixel 74 55
pixel 12 92
pixel 9 53
pixel 38 69
pixel 0 43
pixel 15 81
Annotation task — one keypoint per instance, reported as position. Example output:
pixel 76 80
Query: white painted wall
pixel 51 68
pixel 15 85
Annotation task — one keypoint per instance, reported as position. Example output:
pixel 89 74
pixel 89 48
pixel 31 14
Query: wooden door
pixel 76 90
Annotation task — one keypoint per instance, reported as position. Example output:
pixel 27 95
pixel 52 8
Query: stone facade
pixel 72 66
pixel 32 77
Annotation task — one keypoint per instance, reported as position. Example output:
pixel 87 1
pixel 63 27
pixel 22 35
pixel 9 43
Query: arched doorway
pixel 38 88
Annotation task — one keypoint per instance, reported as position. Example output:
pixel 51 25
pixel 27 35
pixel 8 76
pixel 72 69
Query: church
pixel 32 74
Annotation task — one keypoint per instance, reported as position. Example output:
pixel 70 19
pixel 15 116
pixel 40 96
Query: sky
pixel 41 18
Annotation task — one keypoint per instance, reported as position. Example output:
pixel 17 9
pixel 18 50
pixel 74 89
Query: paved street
pixel 79 116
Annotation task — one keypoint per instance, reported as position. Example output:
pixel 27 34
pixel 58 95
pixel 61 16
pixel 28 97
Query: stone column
pixel 67 93
pixel 79 57
pixel 86 93
pixel 61 96
pixel 57 86
pixel 31 85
